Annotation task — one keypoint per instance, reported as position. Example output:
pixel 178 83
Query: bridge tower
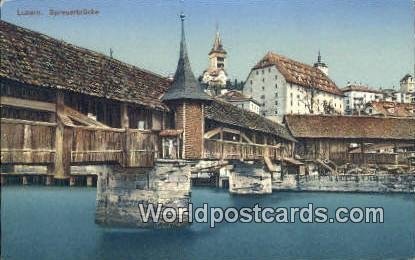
pixel 187 98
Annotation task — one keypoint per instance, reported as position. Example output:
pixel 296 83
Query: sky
pixel 368 42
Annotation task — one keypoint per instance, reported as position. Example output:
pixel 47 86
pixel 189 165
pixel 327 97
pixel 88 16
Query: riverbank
pixel 347 183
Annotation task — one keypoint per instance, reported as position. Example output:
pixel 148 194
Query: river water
pixel 58 223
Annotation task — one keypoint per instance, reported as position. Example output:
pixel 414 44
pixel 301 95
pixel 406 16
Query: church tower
pixel 186 99
pixel 215 75
pixel 321 65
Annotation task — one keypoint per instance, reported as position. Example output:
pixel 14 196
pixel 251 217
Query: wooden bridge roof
pixel 226 113
pixel 350 127
pixel 33 58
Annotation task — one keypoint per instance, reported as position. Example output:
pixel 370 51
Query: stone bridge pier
pixel 120 192
pixel 250 178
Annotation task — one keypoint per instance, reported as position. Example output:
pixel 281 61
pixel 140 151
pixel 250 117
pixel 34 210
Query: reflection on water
pixel 58 223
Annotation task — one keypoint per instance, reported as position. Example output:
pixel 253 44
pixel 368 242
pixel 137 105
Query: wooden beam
pixel 63 142
pixel 27 104
pixel 125 123
pixel 211 133
pixel 81 118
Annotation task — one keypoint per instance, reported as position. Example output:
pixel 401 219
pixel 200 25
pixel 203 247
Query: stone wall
pixel 248 178
pixel 348 183
pixel 120 192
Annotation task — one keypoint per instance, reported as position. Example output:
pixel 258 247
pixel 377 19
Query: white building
pixel 392 95
pixel 284 86
pixel 238 99
pixel 357 96
pixel 215 76
pixel 407 84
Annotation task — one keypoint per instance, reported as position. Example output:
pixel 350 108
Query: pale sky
pixel 364 41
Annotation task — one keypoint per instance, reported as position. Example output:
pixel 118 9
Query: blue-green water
pixel 58 223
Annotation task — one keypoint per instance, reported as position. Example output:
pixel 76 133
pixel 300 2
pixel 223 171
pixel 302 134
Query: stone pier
pixel 250 178
pixel 121 191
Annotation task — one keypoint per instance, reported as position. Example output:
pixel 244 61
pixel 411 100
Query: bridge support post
pixel 123 192
pixel 89 181
pixel 48 180
pixel 25 180
pixel 72 181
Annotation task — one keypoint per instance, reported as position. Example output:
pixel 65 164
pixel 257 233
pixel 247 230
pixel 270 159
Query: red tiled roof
pixel 299 73
pixel 393 109
pixel 350 127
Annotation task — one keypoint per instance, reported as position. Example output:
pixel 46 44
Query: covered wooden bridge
pixel 62 105
pixel 353 139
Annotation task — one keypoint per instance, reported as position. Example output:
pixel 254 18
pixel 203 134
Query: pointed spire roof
pixel 319 63
pixel 185 85
pixel 217 44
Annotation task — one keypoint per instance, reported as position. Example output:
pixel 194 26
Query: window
pixel 262 96
pixel 276 77
pixel 263 79
pixel 276 85
pixel 263 87
pixel 276 112
pixel 276 94
pixel 276 102
pixel 257 72
pixel 251 81
pixel 262 71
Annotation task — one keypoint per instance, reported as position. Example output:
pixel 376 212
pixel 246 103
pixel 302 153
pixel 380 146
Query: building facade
pixel 284 86
pixel 407 84
pixel 357 96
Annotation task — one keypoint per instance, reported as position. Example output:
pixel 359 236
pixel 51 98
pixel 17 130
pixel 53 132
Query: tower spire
pixel 321 65
pixel 185 85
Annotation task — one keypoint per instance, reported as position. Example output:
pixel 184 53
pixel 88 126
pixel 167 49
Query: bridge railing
pixel 96 144
pixel 32 142
pixel 228 150
pixel 26 142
